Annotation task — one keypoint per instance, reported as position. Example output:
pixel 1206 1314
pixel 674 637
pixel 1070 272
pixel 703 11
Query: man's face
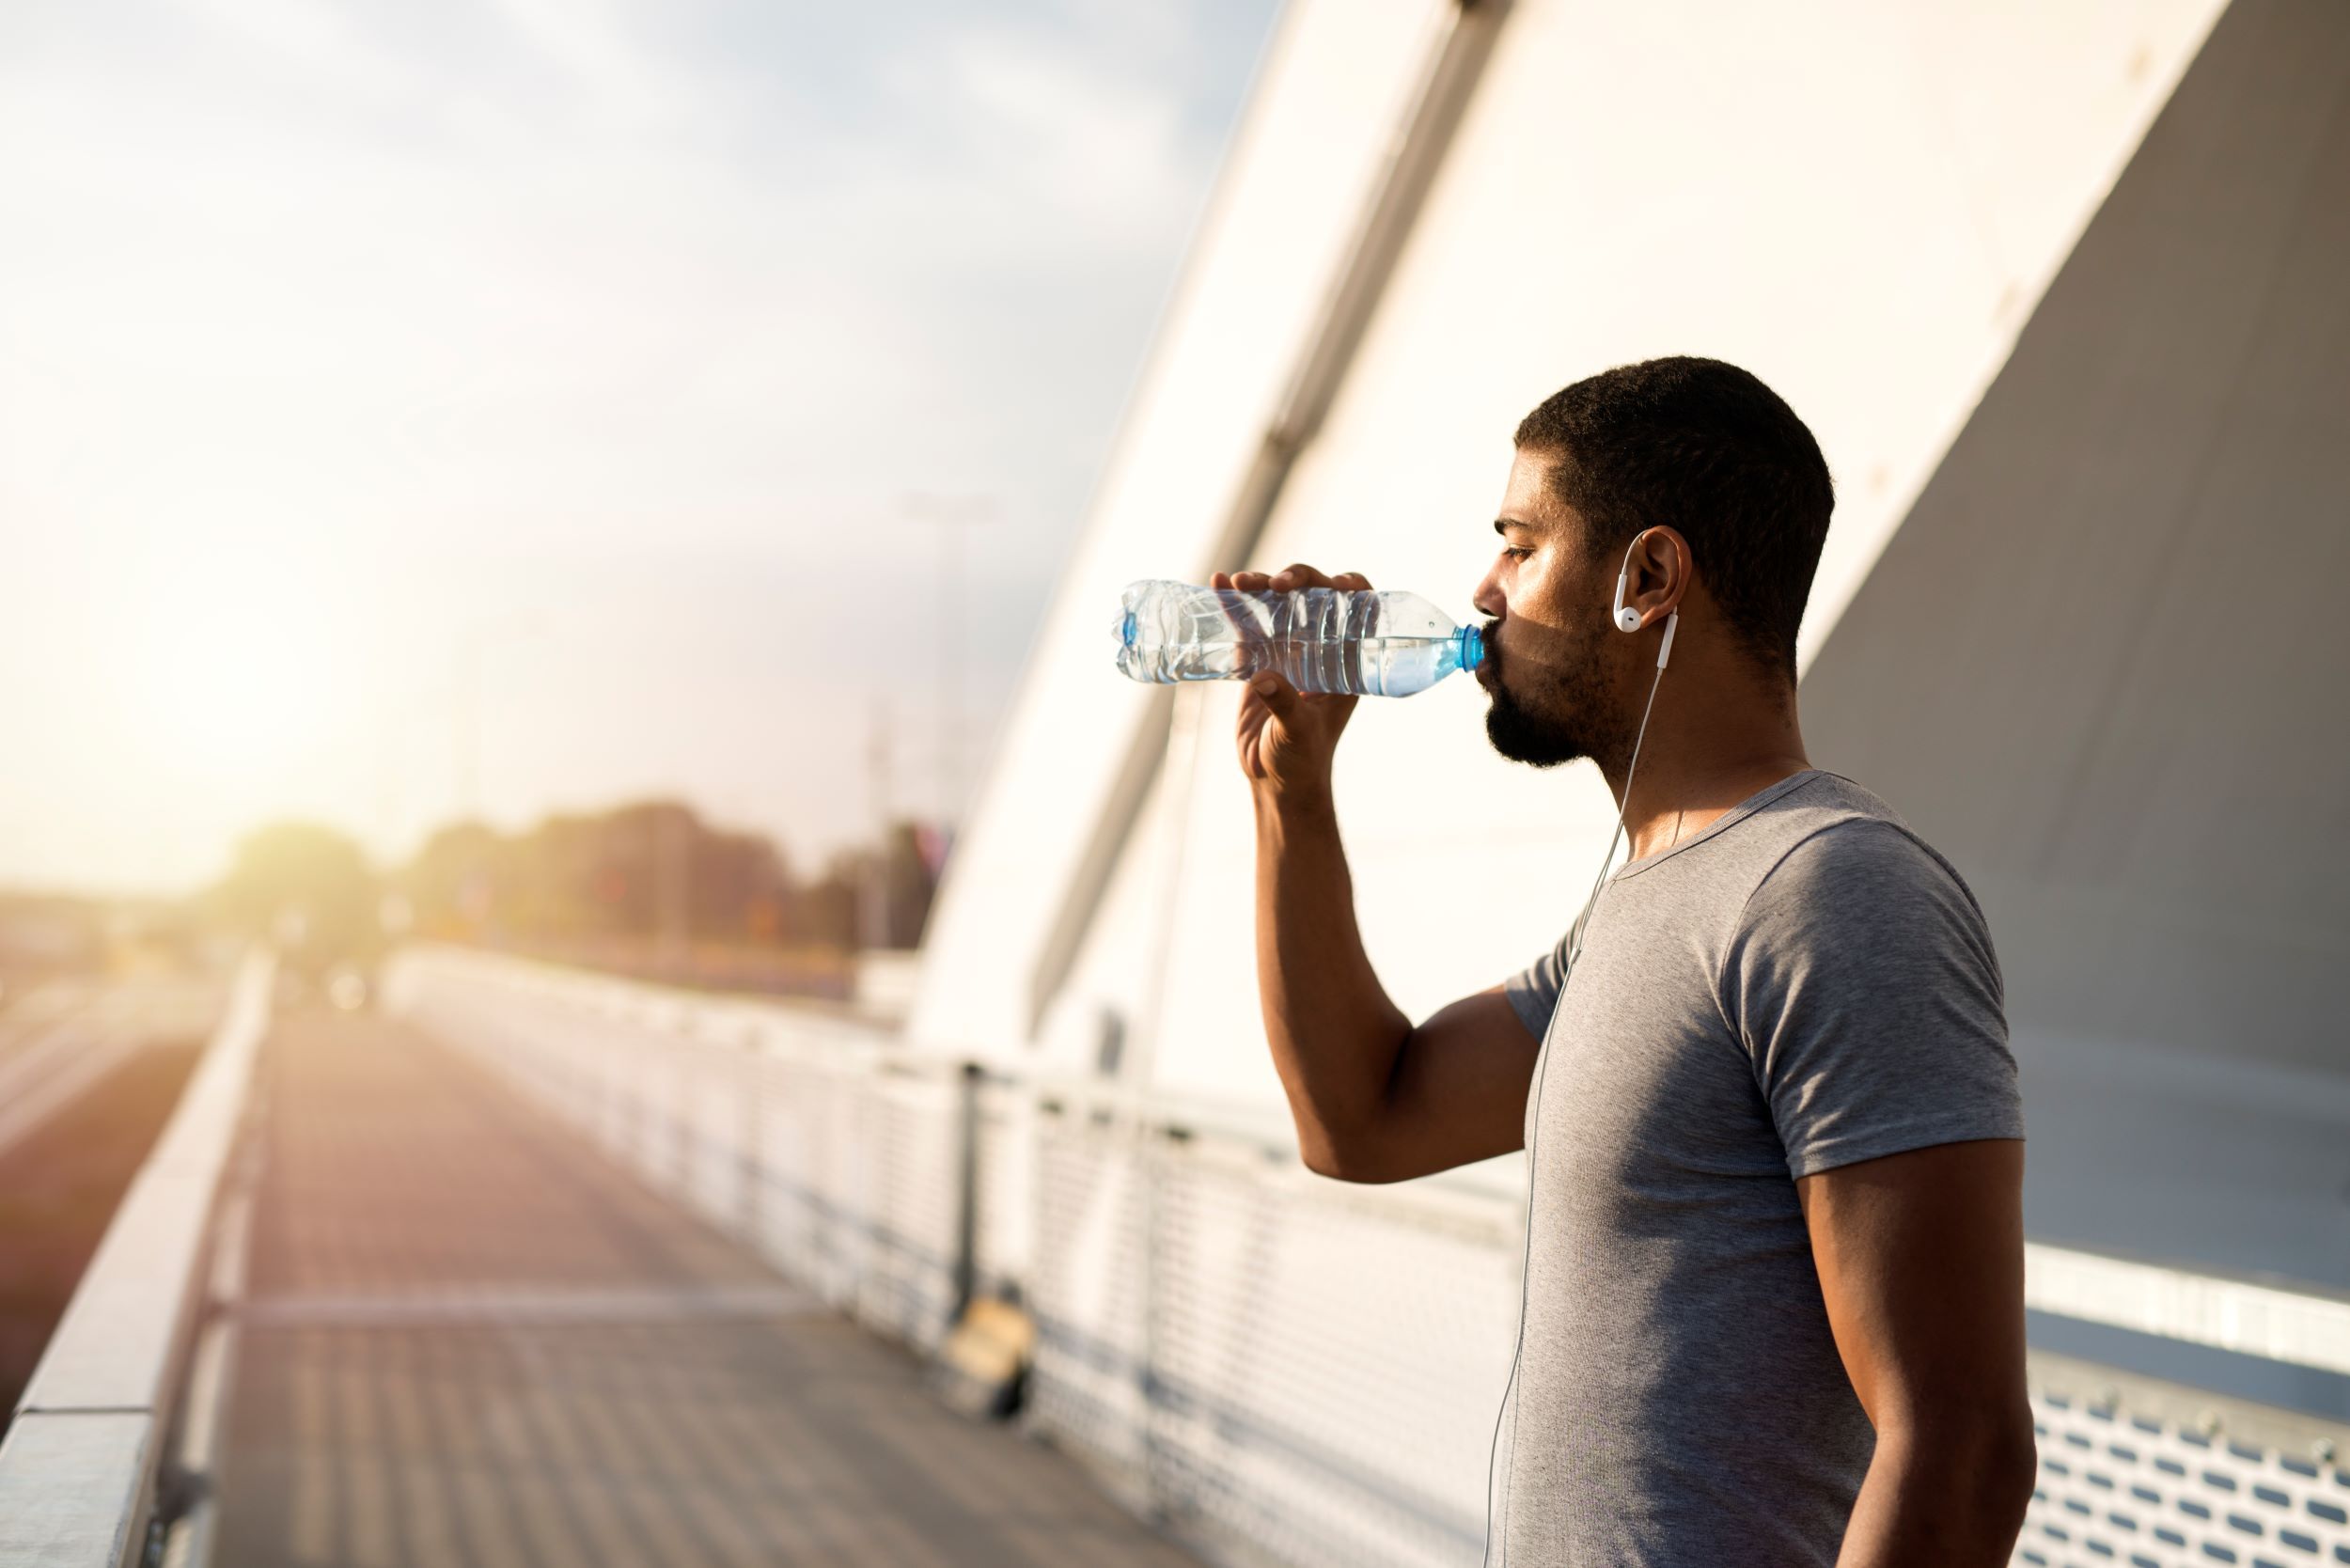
pixel 1548 663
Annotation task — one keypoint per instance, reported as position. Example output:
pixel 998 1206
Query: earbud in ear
pixel 1628 619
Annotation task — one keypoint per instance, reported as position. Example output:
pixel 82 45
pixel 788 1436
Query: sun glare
pixel 233 673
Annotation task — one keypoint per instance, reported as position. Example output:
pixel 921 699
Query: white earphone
pixel 1628 617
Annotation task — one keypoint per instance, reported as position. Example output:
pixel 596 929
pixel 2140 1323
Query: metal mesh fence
pixel 1326 1362
pixel 1086 1289
pixel 1305 1373
pixel 2118 1484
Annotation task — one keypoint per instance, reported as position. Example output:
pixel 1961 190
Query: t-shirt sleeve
pixel 1862 981
pixel 1533 991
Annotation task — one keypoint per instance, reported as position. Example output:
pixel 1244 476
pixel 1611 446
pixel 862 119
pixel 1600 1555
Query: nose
pixel 1488 597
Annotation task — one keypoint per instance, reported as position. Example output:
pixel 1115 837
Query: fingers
pixel 1297 574
pixel 1271 689
pixel 1245 622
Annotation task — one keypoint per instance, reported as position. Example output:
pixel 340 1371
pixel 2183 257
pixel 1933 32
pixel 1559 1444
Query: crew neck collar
pixel 1745 808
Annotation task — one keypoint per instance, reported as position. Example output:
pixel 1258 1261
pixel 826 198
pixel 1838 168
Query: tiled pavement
pixel 472 1341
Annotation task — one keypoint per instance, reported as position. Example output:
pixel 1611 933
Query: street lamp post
pixel 952 513
pixel 473 643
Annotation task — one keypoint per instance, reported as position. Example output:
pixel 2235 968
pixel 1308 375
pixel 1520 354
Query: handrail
pixel 78 1468
pixel 780 1029
pixel 2276 1319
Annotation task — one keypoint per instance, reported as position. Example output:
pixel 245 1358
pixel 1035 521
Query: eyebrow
pixel 1503 524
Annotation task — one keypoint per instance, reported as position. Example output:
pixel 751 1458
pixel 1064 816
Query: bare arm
pixel 1920 1258
pixel 1375 1098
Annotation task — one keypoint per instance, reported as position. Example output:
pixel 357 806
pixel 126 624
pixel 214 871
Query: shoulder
pixel 1849 890
pixel 1839 851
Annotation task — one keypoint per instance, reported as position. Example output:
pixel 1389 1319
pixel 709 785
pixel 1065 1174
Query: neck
pixel 1724 734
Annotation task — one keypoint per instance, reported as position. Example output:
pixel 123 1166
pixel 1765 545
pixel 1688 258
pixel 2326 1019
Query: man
pixel 1774 1273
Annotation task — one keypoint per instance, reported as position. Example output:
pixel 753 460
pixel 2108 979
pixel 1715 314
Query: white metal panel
pixel 1107 981
pixel 2222 1160
pixel 2101 668
pixel 1332 87
pixel 1859 203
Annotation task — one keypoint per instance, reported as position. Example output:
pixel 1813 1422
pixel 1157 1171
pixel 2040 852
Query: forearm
pixel 1334 1031
pixel 1954 1502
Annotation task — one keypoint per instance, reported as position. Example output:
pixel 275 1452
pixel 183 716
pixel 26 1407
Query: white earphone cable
pixel 1574 952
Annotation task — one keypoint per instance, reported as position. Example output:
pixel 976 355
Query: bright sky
pixel 609 338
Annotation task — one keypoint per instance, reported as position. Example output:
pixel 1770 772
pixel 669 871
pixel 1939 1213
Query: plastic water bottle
pixel 1359 641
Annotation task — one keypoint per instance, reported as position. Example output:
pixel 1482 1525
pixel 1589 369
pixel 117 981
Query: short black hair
pixel 1708 449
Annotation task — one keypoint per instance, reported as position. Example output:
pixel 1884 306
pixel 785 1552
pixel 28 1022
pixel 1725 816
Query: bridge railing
pixel 80 1465
pixel 1304 1371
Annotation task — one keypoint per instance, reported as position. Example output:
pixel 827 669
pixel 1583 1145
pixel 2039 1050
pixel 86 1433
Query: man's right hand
pixel 1287 737
pixel 1375 1098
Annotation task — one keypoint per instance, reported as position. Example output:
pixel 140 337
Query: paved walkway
pixel 472 1341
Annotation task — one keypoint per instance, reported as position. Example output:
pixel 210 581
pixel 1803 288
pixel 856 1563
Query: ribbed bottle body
pixel 1362 641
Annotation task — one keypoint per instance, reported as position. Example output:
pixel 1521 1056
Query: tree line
pixel 649 887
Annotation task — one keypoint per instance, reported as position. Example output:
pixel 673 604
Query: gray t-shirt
pixel 1803 984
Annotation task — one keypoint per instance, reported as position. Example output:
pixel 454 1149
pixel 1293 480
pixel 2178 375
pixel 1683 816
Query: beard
pixel 1557 714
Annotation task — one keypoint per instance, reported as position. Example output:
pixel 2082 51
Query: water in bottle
pixel 1359 641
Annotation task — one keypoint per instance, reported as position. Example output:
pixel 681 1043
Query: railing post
pixel 968 1188
pixel 750 1165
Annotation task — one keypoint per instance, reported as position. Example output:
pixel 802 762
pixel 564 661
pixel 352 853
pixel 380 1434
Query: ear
pixel 1657 574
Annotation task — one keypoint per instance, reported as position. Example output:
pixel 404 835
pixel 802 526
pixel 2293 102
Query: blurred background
pixel 423 419
pixel 582 911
